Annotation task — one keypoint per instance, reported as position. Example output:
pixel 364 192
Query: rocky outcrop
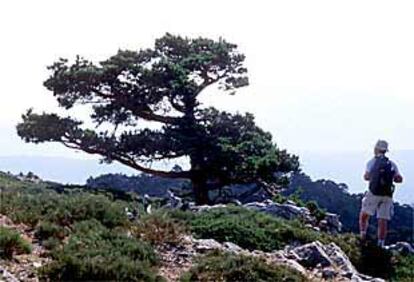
pixel 403 248
pixel 289 211
pixel 315 260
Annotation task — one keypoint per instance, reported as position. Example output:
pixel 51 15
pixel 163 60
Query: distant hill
pixel 345 167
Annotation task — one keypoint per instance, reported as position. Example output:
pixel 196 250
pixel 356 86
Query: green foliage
pixel 96 253
pixel 51 243
pixel 279 198
pixel 258 231
pixel 45 230
pixel 159 228
pixel 312 206
pixel 404 268
pixel 218 266
pixel 12 243
pixel 249 229
pixel 295 197
pixel 32 205
pixel 315 210
pixel 162 85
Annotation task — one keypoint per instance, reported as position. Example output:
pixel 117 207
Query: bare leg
pixel 382 230
pixel 363 224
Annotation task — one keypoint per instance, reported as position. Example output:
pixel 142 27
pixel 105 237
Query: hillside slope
pixel 88 235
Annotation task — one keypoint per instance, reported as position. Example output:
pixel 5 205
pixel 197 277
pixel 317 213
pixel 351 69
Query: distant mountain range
pixel 345 167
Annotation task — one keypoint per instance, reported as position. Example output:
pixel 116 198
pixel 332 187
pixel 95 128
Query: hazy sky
pixel 325 75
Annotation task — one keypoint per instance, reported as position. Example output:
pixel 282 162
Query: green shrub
pixel 45 230
pixel 159 228
pixel 403 268
pixel 249 229
pixel 12 243
pixel 315 210
pixel 84 206
pixel 51 243
pixel 31 206
pixel 218 266
pixel 96 253
pixel 279 198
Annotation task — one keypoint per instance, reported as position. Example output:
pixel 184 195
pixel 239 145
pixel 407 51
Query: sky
pixel 324 75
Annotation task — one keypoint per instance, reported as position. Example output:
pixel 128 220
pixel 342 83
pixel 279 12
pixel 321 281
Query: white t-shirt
pixel 371 163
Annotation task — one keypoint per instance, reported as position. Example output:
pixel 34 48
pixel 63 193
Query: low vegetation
pixel 12 243
pixel 159 228
pixel 61 209
pixel 218 266
pixel 86 233
pixel 257 231
pixel 96 253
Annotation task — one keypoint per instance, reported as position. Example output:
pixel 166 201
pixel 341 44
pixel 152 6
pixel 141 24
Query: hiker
pixel 381 173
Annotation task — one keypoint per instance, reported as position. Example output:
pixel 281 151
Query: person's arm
pixel 366 176
pixel 397 175
pixel 398 178
pixel 367 171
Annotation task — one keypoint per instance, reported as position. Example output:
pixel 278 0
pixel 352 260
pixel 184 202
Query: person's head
pixel 381 147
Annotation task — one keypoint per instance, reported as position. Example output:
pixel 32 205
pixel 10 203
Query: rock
pixel 312 255
pixel 339 258
pixel 174 201
pixel 316 261
pixel 287 211
pixel 204 245
pixel 333 220
pixel 327 262
pixel 233 248
pixel 7 276
pixel 37 264
pixel 403 248
pixel 205 207
pixel 329 273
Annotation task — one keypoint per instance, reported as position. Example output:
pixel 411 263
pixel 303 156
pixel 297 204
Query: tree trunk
pixel 200 191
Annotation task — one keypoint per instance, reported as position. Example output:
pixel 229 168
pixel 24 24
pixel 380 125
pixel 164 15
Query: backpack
pixel 382 177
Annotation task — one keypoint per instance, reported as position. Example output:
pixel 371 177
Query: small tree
pixel 162 86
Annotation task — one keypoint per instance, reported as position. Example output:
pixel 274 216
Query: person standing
pixel 381 173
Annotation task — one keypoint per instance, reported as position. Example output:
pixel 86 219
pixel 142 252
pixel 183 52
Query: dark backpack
pixel 381 177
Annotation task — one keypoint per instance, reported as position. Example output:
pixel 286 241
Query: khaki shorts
pixel 382 206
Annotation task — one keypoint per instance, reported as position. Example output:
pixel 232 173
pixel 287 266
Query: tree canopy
pixel 161 85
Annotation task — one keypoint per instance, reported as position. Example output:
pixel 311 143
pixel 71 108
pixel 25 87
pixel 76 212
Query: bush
pixel 249 229
pixel 315 210
pixel 218 266
pixel 45 230
pixel 12 243
pixel 31 206
pixel 84 206
pixel 51 243
pixel 404 268
pixel 96 253
pixel 159 228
